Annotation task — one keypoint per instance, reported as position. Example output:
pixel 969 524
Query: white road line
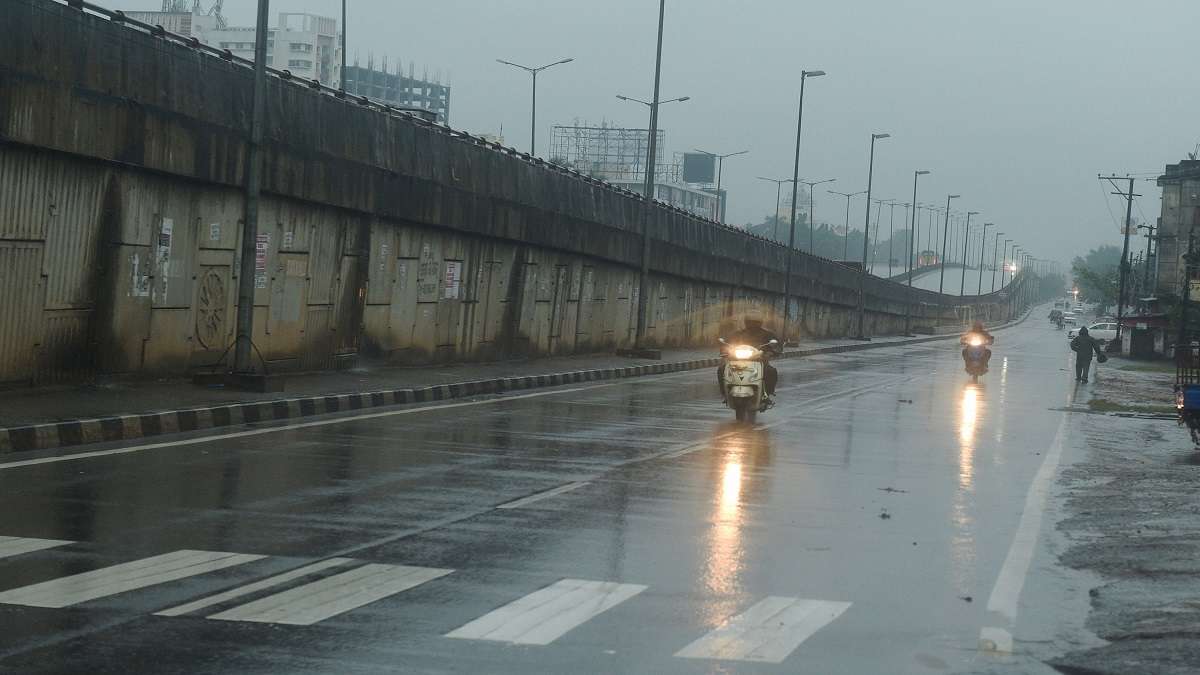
pixel 1007 590
pixel 10 546
pixel 129 576
pixel 302 425
pixel 526 501
pixel 546 615
pixel 767 632
pixel 253 588
pixel 319 600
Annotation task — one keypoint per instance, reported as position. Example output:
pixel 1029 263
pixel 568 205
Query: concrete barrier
pixel 380 236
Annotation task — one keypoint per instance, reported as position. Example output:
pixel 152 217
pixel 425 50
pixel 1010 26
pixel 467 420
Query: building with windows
pixel 306 45
pixel 1180 216
pixel 191 23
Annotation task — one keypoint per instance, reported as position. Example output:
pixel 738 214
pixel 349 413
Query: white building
pixel 190 24
pixel 681 195
pixel 306 45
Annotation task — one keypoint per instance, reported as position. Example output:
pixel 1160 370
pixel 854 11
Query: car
pixel 1070 319
pixel 1103 332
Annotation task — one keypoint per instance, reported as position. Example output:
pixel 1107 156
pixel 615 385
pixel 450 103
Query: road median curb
pixel 128 427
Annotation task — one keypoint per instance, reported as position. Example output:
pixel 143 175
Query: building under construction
pixel 618 155
pixel 393 87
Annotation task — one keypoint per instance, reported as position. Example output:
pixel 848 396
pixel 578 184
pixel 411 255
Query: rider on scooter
pixel 988 338
pixel 754 334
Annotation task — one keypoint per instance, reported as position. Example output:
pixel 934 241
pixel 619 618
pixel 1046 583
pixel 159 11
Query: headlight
pixel 744 353
pixel 975 341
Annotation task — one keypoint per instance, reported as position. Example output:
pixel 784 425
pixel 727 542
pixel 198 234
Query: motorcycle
pixel 975 354
pixel 743 379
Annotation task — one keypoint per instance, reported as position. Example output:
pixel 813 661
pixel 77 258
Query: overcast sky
pixel 1014 104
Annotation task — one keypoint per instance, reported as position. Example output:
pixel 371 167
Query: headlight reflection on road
pixel 724 554
pixel 731 490
pixel 962 542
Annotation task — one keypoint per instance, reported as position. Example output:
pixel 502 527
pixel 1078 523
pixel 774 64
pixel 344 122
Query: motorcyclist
pixel 978 329
pixel 754 334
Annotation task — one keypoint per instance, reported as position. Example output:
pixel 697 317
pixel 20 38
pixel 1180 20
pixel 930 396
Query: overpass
pixel 381 235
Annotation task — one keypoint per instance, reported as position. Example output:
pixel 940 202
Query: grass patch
pixel 1105 405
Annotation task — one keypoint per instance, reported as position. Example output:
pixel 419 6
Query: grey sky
pixel 1014 104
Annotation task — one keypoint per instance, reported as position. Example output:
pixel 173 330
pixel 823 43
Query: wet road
pixel 861 527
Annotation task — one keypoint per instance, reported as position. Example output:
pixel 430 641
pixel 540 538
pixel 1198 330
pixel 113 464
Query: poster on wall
pixel 453 280
pixel 260 259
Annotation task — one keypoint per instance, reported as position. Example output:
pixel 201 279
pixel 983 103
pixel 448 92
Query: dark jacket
pixel 1085 346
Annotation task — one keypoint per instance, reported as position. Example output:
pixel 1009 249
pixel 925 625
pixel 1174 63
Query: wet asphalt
pixel 884 485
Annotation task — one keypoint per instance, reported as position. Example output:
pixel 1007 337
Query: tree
pixel 1097 275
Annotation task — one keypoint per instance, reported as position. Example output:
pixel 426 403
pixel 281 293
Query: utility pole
pixel 1151 229
pixel 247 271
pixel 1125 251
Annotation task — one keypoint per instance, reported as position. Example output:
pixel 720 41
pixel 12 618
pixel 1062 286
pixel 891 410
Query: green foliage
pixel 1097 275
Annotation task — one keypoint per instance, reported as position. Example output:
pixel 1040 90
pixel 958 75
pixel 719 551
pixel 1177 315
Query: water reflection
pixel 962 546
pixel 738 463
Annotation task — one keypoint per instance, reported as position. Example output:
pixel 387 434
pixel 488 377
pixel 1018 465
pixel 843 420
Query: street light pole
pixel 945 239
pixel 891 233
pixel 778 184
pixel 533 105
pixel 911 261
pixel 787 280
pixel 962 285
pixel 644 275
pixel 246 270
pixel 811 220
pixel 982 252
pixel 862 277
pixel 342 74
pixel 846 225
pixel 995 259
pixel 720 168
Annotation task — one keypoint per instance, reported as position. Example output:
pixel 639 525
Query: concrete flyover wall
pixel 121 156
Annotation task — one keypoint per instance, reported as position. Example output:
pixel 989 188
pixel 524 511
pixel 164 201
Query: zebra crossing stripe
pixel 546 615
pixel 319 600
pixel 10 546
pixel 240 591
pixel 767 632
pixel 77 588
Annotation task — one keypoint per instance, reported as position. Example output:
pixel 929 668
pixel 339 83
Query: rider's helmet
pixel 753 319
pixel 978 327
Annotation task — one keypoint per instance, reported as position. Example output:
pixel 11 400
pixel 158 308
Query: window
pixel 300 63
pixel 301 47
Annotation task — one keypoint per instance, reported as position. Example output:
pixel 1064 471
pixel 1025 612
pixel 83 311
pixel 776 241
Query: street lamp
pixel 945 238
pixel 778 184
pixel 787 280
pixel 720 166
pixel 862 277
pixel 982 251
pixel 911 253
pixel 995 258
pixel 533 106
pixel 811 222
pixel 962 285
pixel 644 273
pixel 846 237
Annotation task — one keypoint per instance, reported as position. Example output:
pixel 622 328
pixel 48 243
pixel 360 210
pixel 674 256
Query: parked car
pixel 1103 332
pixel 1070 319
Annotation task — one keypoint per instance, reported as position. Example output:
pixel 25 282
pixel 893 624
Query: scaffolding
pixel 607 152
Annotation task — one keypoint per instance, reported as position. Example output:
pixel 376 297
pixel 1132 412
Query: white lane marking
pixel 1007 590
pixel 302 425
pixel 767 632
pixel 319 600
pixel 253 588
pixel 77 588
pixel 526 501
pixel 10 546
pixel 546 615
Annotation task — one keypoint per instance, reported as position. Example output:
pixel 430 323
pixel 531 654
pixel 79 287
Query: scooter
pixel 975 354
pixel 743 380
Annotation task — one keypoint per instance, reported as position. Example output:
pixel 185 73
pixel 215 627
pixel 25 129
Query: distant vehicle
pixel 1059 304
pixel 1103 332
pixel 1070 319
